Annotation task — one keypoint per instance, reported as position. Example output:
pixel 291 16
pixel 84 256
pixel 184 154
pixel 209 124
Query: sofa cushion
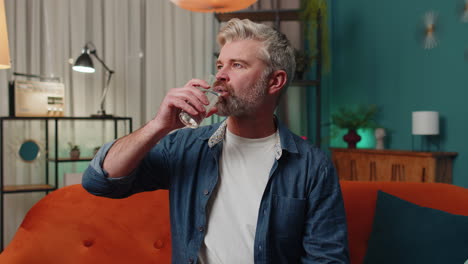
pixel 404 232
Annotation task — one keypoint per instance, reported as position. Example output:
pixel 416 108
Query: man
pixel 243 191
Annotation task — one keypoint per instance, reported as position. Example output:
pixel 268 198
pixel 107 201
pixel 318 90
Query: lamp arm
pixel 104 93
pixel 106 89
pixel 101 61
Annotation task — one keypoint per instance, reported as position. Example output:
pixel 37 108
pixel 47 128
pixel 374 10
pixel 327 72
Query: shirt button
pixel 260 248
pixel 206 192
pixel 264 211
pixel 190 260
pixel 201 228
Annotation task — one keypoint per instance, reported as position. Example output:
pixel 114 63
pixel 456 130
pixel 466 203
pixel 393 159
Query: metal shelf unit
pixel 47 186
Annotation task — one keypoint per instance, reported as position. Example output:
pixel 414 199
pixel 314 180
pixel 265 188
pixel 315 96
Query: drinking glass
pixel 195 121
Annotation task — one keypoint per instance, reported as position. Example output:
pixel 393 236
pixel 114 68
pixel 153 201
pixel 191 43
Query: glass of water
pixel 195 121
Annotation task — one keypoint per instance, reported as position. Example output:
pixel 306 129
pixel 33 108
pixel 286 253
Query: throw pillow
pixel 404 232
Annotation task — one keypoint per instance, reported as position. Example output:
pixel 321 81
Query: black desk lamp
pixel 84 63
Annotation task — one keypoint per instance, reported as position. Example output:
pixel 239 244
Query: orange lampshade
pixel 4 48
pixel 218 6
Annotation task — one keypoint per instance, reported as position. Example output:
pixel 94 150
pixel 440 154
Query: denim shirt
pixel 301 216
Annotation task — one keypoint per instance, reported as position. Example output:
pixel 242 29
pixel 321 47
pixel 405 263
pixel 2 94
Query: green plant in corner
pixel 315 12
pixel 354 117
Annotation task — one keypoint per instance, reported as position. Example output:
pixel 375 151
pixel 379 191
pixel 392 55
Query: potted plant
pixel 313 13
pixel 74 151
pixel 352 118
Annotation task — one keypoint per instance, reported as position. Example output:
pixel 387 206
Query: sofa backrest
pixel 72 226
pixel 360 201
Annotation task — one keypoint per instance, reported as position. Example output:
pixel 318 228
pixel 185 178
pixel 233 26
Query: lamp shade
pixel 218 6
pixel 425 123
pixel 84 63
pixel 4 48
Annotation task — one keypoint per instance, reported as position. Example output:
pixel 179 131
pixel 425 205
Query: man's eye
pixel 237 65
pixel 219 67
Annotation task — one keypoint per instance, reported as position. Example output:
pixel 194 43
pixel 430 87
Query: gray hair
pixel 277 52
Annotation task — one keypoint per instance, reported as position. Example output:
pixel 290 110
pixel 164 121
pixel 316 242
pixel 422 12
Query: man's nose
pixel 222 76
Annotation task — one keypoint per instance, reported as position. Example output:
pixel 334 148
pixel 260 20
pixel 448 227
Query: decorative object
pixel 425 124
pixel 74 151
pixel 85 64
pixel 218 6
pixel 29 151
pixel 352 138
pixel 464 17
pixel 4 46
pixel 315 12
pixel 430 40
pixel 352 118
pixel 36 98
pixel 379 138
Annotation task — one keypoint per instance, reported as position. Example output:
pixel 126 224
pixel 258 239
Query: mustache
pixel 223 85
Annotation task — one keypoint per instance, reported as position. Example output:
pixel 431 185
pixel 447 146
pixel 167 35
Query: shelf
pixel 263 15
pixel 28 188
pixel 52 162
pixel 70 160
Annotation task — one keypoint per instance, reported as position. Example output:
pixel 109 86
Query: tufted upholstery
pixel 72 226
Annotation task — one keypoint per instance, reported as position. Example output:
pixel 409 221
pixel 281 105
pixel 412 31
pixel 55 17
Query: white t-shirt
pixel 233 210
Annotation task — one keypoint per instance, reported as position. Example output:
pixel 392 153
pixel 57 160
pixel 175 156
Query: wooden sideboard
pixel 393 165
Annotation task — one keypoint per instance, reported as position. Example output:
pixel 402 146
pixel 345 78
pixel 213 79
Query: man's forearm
pixel 127 152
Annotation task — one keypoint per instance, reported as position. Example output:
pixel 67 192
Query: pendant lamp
pixel 218 6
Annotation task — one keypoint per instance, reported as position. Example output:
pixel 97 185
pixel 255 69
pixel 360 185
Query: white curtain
pixel 151 45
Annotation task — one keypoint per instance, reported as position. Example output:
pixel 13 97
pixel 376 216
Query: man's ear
pixel 277 81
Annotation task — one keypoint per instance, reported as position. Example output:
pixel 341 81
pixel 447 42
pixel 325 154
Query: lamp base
pixel 102 114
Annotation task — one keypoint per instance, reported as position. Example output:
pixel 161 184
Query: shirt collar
pixel 283 137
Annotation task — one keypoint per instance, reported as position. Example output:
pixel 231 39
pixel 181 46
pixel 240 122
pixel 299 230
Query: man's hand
pixel 127 152
pixel 188 98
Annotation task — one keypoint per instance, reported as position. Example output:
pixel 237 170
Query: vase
pixel 352 138
pixel 74 154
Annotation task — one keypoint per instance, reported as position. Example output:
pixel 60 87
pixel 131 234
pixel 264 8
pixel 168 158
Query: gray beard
pixel 239 106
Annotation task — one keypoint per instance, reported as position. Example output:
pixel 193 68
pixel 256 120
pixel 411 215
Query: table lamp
pixel 84 63
pixel 4 47
pixel 426 124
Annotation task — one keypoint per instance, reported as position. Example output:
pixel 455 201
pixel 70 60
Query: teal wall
pixel 378 58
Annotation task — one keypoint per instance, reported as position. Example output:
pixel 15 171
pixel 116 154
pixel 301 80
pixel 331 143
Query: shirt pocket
pixel 288 216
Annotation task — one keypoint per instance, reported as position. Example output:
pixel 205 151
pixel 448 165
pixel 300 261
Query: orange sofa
pixel 71 226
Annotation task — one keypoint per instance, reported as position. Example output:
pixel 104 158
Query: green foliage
pixel 73 147
pixel 354 117
pixel 309 16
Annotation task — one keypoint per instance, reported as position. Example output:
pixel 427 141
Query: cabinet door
pixel 351 166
